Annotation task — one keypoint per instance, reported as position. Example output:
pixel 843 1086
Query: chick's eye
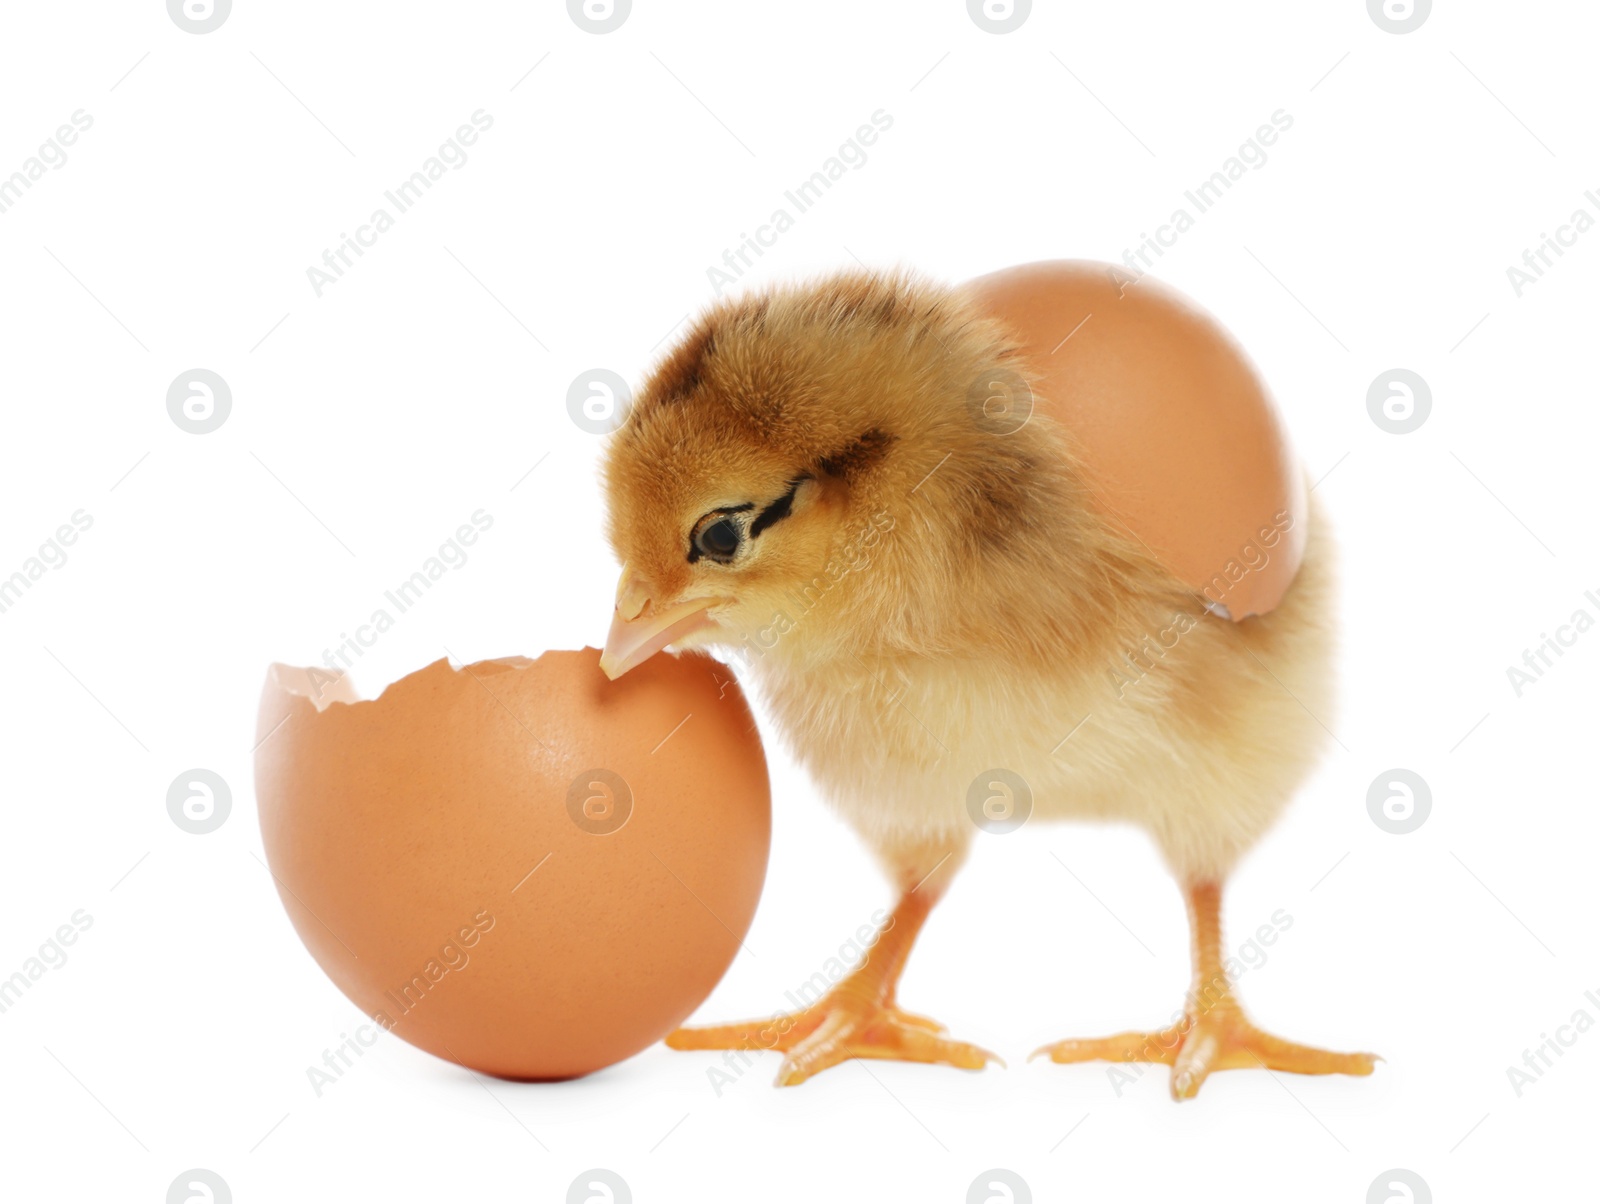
pixel 719 540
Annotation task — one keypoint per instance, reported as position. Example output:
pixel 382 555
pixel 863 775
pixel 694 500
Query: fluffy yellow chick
pixel 946 622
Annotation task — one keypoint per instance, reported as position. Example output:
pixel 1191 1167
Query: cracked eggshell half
pixel 519 866
pixel 1179 440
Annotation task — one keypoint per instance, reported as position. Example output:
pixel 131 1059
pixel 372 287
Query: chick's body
pixel 1198 742
pixel 953 628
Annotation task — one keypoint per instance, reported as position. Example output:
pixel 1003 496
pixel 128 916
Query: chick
pixel 942 615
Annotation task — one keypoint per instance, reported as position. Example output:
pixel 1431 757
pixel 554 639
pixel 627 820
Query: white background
pixel 369 423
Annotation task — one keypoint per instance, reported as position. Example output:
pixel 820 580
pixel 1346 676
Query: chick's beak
pixel 640 628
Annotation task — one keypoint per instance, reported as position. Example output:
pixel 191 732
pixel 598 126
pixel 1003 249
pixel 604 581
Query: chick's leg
pixel 858 1018
pixel 1214 1033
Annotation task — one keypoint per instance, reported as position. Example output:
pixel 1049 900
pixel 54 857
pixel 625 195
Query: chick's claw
pixel 1222 1038
pixel 887 1034
pixel 834 1030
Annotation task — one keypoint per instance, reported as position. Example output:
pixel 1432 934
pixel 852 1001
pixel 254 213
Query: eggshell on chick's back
pixel 1177 434
pixel 520 866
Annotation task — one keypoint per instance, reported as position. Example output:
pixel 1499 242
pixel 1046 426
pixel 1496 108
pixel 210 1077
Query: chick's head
pixel 769 460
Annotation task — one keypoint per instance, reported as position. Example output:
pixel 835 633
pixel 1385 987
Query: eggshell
pixel 1180 440
pixel 520 865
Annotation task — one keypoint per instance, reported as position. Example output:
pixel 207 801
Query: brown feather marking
pixel 680 376
pixel 850 460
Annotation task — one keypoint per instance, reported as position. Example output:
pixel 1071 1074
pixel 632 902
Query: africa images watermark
pixel 851 154
pixel 451 554
pixel 853 555
pixel 1538 1060
pixel 1202 998
pixel 1537 260
pixel 850 955
pixel 52 554
pixel 1254 555
pixel 52 955
pixel 51 155
pixel 1536 660
pixel 1251 156
pixel 406 997
pixel 451 156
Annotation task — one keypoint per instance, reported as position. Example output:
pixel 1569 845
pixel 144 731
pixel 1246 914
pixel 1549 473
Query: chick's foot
pixel 1222 1038
pixel 1214 1034
pixel 858 1017
pixel 839 1026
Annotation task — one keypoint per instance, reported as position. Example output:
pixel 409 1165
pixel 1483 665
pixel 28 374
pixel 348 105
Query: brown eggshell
pixel 426 847
pixel 1179 438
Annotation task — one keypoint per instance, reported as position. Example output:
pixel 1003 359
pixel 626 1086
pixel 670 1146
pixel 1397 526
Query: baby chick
pixel 951 624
